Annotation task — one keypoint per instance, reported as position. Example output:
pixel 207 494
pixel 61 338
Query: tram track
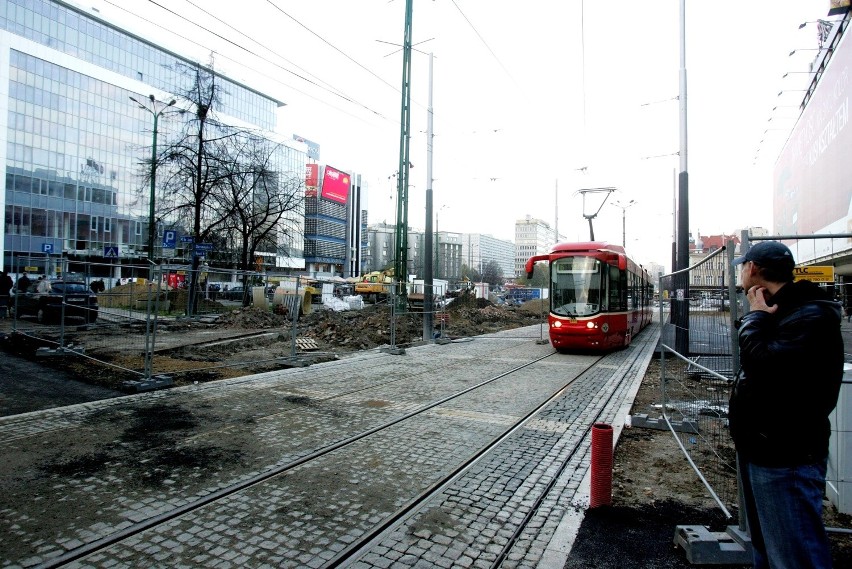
pixel 365 483
pixel 138 528
pixel 351 556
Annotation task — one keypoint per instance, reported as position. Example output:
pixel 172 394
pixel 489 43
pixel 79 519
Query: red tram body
pixel 599 298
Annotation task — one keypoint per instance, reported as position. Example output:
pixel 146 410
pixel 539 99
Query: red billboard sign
pixel 335 185
pixel 311 179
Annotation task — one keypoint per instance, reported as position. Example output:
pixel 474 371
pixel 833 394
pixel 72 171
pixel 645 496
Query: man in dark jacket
pixel 791 352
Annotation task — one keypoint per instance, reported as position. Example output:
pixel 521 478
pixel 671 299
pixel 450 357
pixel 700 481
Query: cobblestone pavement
pixel 76 474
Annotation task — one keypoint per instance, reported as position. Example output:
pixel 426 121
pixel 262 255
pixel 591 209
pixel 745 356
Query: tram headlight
pixel 557 324
pixel 590 325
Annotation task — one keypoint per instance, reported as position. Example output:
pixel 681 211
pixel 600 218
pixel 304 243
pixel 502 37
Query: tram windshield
pixel 576 286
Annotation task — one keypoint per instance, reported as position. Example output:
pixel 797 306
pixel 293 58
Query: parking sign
pixel 169 239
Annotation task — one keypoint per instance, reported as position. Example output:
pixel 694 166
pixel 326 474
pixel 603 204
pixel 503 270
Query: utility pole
pixel 401 256
pixel 681 299
pixel 429 277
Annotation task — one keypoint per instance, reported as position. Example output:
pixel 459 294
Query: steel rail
pixel 102 543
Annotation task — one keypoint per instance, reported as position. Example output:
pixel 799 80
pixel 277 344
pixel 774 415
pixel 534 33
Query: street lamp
pixel 151 221
pixel 624 207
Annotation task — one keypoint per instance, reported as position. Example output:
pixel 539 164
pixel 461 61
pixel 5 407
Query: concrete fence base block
pixel 705 547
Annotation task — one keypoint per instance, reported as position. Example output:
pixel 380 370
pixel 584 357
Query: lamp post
pixel 151 222
pixel 624 207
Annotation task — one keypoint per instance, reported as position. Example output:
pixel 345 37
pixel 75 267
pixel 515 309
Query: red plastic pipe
pixel 601 491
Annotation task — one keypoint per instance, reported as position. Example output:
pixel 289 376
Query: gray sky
pixel 526 94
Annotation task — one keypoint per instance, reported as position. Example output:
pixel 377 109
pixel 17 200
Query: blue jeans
pixel 784 512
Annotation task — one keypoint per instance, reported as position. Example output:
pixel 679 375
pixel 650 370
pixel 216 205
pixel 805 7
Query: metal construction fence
pixel 137 329
pixel 697 362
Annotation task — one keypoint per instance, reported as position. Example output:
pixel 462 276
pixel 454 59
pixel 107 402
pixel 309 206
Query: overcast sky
pixel 528 96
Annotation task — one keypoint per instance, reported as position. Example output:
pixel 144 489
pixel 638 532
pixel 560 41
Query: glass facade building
pixel 76 145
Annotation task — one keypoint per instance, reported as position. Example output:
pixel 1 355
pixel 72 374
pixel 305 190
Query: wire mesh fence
pixel 177 325
pixel 698 358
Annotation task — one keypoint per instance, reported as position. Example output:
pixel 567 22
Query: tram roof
pixel 587 246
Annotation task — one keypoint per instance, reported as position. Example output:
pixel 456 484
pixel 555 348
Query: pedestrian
pixel 43 284
pixel 791 367
pixel 23 283
pixel 5 290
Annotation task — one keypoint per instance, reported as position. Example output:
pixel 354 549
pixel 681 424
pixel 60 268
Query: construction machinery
pixel 375 286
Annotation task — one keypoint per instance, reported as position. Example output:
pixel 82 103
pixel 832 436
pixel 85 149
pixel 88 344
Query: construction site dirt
pixel 654 487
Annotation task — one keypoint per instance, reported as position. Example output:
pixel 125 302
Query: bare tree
pixel 196 168
pixel 257 198
pixel 492 273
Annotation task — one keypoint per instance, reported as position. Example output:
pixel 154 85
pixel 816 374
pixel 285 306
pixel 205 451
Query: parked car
pixel 78 299
pixel 233 293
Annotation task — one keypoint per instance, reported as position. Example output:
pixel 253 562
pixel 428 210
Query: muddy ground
pixel 654 488
pixel 243 341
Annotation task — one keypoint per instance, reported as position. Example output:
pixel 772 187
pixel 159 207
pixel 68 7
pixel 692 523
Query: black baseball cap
pixel 770 254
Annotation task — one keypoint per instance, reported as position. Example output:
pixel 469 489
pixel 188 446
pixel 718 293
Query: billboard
pixel 311 180
pixel 811 189
pixel 335 185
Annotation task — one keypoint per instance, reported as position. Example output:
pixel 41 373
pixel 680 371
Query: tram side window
pixel 617 289
pixel 631 291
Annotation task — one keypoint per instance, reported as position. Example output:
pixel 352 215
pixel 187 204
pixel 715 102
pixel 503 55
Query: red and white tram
pixel 599 298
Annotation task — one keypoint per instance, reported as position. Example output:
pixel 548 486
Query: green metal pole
pixel 401 257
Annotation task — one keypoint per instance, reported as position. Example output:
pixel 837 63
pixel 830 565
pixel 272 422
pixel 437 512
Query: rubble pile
pixel 252 317
pixel 369 328
pixel 364 329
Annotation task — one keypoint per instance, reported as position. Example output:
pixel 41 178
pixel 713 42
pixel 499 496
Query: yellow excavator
pixel 375 286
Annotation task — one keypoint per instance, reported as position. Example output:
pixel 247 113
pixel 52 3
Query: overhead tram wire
pixel 271 78
pixel 251 39
pixel 334 47
pixel 333 90
pixel 488 47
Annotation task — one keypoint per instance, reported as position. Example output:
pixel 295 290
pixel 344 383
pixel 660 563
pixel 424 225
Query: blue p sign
pixel 169 239
pixel 47 247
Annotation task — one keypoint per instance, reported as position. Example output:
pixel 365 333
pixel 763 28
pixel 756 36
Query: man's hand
pixel 756 297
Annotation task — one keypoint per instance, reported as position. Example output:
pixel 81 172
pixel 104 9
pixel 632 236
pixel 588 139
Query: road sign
pixel 110 251
pixel 47 247
pixel 204 246
pixel 815 273
pixel 169 239
pixel 187 238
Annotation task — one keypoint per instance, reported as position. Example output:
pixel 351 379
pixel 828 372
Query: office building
pixel 335 222
pixel 75 145
pixel 532 237
pixel 478 250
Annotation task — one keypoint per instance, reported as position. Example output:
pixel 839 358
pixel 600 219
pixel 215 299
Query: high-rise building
pixel 532 237
pixel 335 222
pixel 73 144
pixel 478 250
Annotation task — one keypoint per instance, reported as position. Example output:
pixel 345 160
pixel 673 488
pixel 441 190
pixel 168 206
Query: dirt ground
pixel 654 491
pixel 654 488
pixel 249 340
